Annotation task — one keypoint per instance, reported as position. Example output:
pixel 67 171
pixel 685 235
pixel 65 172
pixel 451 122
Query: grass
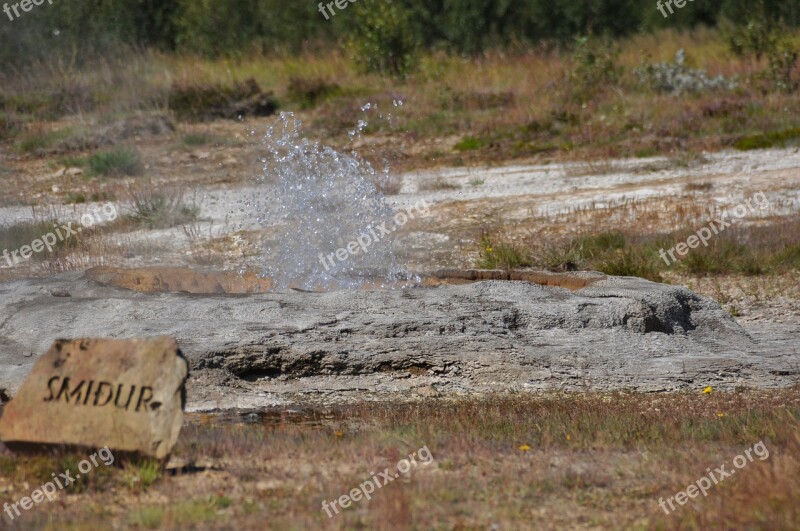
pixel 142 474
pixel 157 207
pixel 36 141
pixel 469 144
pixel 501 255
pixel 784 138
pixel 739 250
pixel 436 184
pixel 118 162
pixel 599 458
pixel 196 139
pixel 13 237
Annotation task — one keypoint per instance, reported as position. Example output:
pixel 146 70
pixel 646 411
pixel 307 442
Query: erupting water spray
pixel 314 201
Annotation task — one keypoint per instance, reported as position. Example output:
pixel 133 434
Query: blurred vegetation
pixel 740 250
pixel 74 32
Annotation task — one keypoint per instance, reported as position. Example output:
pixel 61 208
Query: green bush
pixel 383 40
pixel 309 92
pixel 594 68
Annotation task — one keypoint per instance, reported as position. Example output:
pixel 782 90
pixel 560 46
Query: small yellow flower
pixel 524 448
pixel 707 390
pixel 569 437
pixel 339 433
pixel 488 249
pixel 720 415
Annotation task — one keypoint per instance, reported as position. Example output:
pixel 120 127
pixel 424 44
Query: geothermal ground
pixel 570 399
pixel 281 347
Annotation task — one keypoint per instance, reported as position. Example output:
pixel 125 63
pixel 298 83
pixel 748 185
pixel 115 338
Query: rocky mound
pixel 259 349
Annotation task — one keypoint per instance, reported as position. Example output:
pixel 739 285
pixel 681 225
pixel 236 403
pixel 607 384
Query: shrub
pixel 676 78
pixel 203 102
pixel 782 61
pixel 594 68
pixel 308 93
pixel 762 36
pixel 119 162
pixel 383 40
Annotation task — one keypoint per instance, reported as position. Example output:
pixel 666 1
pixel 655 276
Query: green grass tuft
pixel 781 139
pixel 119 162
pixel 469 143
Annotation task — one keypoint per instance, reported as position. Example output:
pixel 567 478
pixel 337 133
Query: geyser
pixel 313 201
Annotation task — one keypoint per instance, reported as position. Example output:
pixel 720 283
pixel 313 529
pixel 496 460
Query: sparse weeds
pixel 158 207
pixel 436 184
pixel 196 139
pixel 390 184
pixel 698 187
pixel 37 141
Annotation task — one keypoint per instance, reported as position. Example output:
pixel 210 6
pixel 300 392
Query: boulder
pixel 127 395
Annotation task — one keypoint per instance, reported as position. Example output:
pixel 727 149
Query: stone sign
pixel 127 395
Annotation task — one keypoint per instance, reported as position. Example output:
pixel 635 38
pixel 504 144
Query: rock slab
pixel 127 395
pixel 291 348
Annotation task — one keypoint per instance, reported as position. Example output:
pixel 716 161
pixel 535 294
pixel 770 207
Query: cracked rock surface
pixel 292 347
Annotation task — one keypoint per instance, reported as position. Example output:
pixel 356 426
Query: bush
pixel 202 102
pixel 766 36
pixel 308 93
pixel 383 40
pixel 676 78
pixel 594 68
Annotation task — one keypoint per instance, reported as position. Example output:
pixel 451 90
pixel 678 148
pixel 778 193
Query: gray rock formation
pixel 277 348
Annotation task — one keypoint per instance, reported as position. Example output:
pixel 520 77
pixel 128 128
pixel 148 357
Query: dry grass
pixel 436 184
pixel 562 460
